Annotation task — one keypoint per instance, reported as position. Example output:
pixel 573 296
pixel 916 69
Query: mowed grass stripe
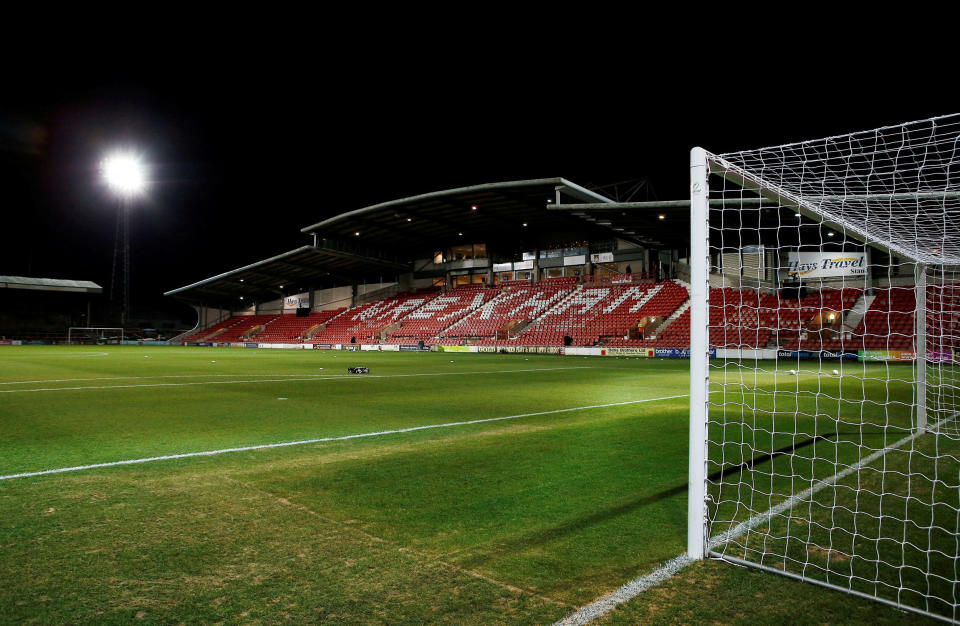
pixel 292 378
pixel 39 431
pixel 101 378
pixel 285 444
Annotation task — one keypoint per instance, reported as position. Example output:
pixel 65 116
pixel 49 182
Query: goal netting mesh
pixel 832 433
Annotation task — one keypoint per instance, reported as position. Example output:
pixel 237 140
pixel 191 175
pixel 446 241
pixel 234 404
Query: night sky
pixel 246 150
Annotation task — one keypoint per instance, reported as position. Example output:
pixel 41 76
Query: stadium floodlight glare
pixel 124 174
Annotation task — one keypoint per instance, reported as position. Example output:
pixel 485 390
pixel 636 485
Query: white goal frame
pixel 99 330
pixel 909 251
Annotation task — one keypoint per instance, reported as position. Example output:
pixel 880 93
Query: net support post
pixel 699 289
pixel 920 348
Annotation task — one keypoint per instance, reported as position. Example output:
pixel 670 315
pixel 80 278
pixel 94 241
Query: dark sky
pixel 245 150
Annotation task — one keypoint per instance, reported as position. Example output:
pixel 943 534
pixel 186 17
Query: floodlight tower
pixel 126 177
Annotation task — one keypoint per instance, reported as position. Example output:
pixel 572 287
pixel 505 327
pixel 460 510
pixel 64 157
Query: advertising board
pixel 825 264
pixel 887 355
pixel 296 302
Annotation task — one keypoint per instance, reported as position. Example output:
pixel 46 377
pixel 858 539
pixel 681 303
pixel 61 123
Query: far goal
pixel 825 362
pixel 90 335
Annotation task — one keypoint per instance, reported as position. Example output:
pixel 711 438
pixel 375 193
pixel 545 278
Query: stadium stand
pixel 293 329
pixel 645 313
pixel 591 312
pixel 943 315
pixel 369 323
pixel 222 331
pixel 431 318
pixel 668 299
pixel 507 314
pixel 888 323
pixel 243 328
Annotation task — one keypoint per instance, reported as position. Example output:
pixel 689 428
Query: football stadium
pixel 521 401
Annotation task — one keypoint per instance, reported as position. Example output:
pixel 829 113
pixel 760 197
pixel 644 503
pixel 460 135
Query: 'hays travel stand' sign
pixel 826 264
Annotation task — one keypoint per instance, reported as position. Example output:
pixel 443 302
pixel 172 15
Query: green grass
pixel 513 521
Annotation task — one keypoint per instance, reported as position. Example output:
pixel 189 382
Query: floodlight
pixel 124 173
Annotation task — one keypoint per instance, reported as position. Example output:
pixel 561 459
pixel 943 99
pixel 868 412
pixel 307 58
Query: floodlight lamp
pixel 124 174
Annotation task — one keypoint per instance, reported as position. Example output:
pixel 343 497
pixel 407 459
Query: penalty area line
pixel 285 444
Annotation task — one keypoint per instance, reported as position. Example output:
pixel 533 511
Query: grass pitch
pixel 517 520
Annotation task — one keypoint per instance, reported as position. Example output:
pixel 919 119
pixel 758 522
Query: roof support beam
pixel 651 205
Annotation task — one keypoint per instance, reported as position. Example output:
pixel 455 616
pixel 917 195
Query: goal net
pixel 825 347
pixel 88 335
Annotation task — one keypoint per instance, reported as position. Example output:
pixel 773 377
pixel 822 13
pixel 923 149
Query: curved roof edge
pixel 49 284
pixel 572 189
pixel 238 270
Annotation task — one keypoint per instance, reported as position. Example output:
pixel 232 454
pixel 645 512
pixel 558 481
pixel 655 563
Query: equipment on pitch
pixel 358 370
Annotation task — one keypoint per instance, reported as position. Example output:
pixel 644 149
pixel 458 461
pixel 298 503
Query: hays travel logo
pixel 824 264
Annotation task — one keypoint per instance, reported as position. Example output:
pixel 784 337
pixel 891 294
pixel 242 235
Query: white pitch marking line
pixel 291 378
pixel 631 590
pixel 329 439
pixel 635 587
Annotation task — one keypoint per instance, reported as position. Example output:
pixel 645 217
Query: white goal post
pixel 94 334
pixel 825 373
